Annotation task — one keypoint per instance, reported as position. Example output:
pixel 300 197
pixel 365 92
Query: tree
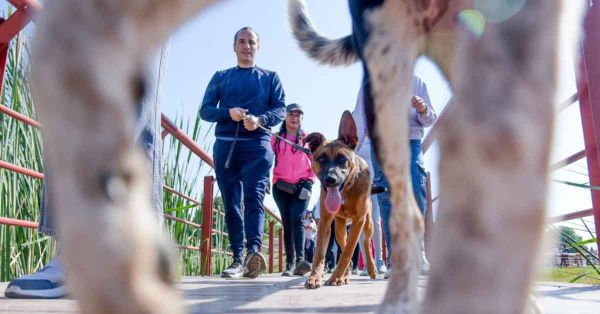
pixel 567 238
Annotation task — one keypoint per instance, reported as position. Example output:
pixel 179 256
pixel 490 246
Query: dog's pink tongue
pixel 333 200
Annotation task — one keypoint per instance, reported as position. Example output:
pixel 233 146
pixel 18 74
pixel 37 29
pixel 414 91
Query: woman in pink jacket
pixel 292 180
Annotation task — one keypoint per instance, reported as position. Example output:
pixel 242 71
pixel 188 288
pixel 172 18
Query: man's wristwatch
pixel 425 111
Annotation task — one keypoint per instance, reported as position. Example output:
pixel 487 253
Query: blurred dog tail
pixel 327 51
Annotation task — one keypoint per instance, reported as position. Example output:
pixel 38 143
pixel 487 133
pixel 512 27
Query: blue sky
pixel 205 44
pixel 199 49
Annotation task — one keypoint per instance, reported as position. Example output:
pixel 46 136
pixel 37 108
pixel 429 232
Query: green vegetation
pixel 24 250
pixel 586 275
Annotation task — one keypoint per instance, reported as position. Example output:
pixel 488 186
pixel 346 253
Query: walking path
pixel 275 294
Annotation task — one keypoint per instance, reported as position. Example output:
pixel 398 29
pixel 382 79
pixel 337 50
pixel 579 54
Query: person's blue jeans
pixel 418 176
pixel 248 173
pixel 147 135
pixel 292 211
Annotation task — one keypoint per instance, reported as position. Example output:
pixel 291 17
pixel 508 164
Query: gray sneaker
pixel 289 270
pixel 302 268
pixel 47 283
pixel 234 270
pixel 255 265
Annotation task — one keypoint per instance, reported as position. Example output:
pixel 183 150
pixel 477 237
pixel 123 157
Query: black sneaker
pixel 302 268
pixel 255 264
pixel 234 270
pixel 288 270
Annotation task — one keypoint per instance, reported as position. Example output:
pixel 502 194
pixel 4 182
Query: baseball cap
pixel 294 107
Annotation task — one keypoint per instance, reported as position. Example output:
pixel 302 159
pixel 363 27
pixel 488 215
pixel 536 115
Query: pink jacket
pixel 291 166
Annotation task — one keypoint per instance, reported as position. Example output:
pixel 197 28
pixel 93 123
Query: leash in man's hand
pixel 303 149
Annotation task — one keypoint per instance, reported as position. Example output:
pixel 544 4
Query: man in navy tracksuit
pixel 242 151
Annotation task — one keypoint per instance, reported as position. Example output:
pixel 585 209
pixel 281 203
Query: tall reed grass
pixel 23 250
pixel 185 172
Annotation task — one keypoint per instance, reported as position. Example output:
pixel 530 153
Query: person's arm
pixel 275 114
pixel 209 111
pixel 428 116
pixel 359 118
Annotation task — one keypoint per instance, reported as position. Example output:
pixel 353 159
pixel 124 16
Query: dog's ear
pixel 348 133
pixel 314 140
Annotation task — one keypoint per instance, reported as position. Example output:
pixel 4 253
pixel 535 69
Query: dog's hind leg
pixel 389 53
pixel 87 78
pixel 495 146
pixel 315 280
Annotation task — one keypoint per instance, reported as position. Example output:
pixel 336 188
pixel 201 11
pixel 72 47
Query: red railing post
pixel 271 255
pixel 588 87
pixel 3 58
pixel 281 250
pixel 207 226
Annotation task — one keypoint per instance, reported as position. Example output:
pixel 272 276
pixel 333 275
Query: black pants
pixel 356 252
pixel 332 254
pixel 309 250
pixel 292 211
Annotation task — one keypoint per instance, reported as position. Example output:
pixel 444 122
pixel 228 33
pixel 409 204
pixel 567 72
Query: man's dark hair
pixel 247 28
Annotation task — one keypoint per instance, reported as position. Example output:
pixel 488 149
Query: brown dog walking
pixel 345 197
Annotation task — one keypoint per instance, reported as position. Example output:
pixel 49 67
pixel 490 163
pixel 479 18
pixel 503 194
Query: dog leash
pixel 232 146
pixel 298 147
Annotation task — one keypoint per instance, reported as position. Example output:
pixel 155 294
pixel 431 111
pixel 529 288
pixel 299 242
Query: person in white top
pixel 364 150
pixel 310 236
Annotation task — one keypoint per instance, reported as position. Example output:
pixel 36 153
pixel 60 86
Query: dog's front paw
pixel 372 271
pixel 337 281
pixel 372 274
pixel 314 281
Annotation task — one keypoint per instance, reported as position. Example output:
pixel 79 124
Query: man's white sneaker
pixel 387 273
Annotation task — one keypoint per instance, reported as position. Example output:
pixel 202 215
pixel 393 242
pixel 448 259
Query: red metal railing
pixel 588 89
pixel 588 95
pixel 207 230
pixel 9 28
pixel 206 240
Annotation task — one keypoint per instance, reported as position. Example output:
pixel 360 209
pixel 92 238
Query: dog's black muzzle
pixel 332 179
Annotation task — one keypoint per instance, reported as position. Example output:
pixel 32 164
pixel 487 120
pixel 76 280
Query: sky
pixel 198 49
pixel 205 45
